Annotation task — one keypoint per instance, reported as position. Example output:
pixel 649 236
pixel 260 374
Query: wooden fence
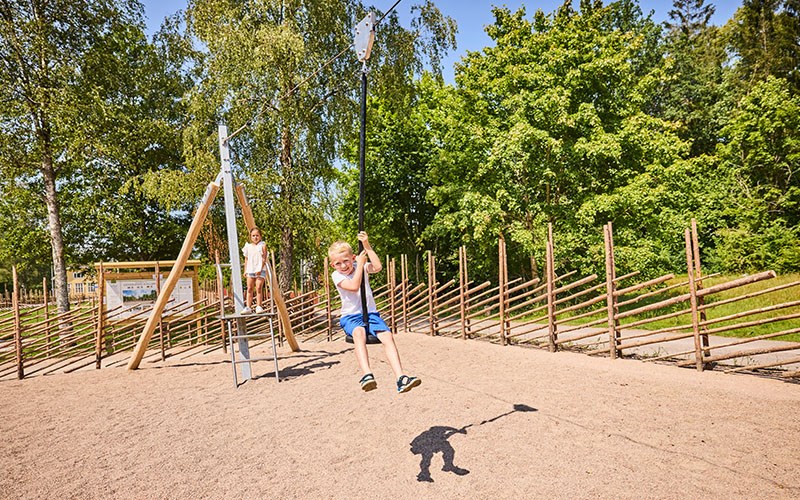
pixel 597 315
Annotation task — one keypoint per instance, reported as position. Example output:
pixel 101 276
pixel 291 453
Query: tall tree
pixel 762 157
pixel 549 117
pixel 272 66
pixel 764 35
pixel 139 86
pixel 694 87
pixel 258 66
pixel 689 17
pixel 43 45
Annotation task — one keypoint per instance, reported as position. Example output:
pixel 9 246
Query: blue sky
pixel 471 16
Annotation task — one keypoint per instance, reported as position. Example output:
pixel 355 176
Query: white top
pixel 255 257
pixel 351 301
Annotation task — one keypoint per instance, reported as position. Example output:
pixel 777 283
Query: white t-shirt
pixel 351 301
pixel 255 257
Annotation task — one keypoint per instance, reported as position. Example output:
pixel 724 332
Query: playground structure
pixel 226 178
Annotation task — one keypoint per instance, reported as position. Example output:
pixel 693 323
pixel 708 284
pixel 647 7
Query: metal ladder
pixel 243 340
pixel 229 319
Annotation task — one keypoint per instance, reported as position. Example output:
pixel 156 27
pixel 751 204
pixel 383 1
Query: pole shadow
pixel 313 362
pixel 436 440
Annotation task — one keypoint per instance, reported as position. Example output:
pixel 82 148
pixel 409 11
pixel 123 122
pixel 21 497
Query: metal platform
pixel 248 316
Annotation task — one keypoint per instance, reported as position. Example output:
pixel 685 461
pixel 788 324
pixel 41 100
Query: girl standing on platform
pixel 255 270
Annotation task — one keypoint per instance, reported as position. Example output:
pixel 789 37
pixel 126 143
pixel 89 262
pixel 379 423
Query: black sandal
pixel 368 382
pixel 406 383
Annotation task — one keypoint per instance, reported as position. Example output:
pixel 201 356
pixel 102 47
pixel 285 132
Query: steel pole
pixel 362 153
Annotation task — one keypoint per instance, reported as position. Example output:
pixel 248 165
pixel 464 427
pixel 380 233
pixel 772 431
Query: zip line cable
pixel 306 79
pixel 387 13
pixel 289 92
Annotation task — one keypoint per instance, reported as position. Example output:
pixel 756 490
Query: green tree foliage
pixel 694 92
pixel 690 17
pixel 259 71
pixel 762 157
pixel 585 116
pixel 764 35
pixel 555 115
pixel 139 86
pixel 88 106
pixel 23 235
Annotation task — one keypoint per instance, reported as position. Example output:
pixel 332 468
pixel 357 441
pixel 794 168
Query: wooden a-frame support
pixel 174 275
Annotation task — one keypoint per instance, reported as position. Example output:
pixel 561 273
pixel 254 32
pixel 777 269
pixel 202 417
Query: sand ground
pixel 511 422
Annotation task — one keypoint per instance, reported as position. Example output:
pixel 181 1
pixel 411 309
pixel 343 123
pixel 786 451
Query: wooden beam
pixel 247 213
pixel 283 313
pixel 552 332
pixel 98 348
pixel 17 324
pixel 174 275
pixel 698 353
pixel 144 264
pixel 611 291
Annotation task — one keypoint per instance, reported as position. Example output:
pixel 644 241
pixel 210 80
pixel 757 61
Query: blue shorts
pixel 262 275
pixel 353 321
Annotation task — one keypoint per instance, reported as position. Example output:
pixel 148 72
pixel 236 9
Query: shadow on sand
pixel 313 362
pixel 435 440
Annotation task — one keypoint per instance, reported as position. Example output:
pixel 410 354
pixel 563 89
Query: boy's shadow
pixel 435 440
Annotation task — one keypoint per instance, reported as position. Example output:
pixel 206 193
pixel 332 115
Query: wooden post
pixel 435 295
pixel 698 352
pixel 160 319
pixel 462 292
pixel 46 315
pixel 328 308
pixel 611 300
pixel 17 324
pixel 46 294
pixel 101 324
pixel 390 270
pixel 174 276
pixel 283 313
pixel 404 289
pixel 221 296
pixel 552 332
pixel 699 285
pixel 431 291
pixel 199 323
pixel 502 288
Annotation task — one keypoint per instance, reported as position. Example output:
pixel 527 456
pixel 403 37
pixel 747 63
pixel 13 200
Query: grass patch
pixel 721 305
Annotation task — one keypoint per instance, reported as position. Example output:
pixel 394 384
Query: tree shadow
pixel 436 440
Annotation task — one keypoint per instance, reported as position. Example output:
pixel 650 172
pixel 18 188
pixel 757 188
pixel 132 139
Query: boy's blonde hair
pixel 339 247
